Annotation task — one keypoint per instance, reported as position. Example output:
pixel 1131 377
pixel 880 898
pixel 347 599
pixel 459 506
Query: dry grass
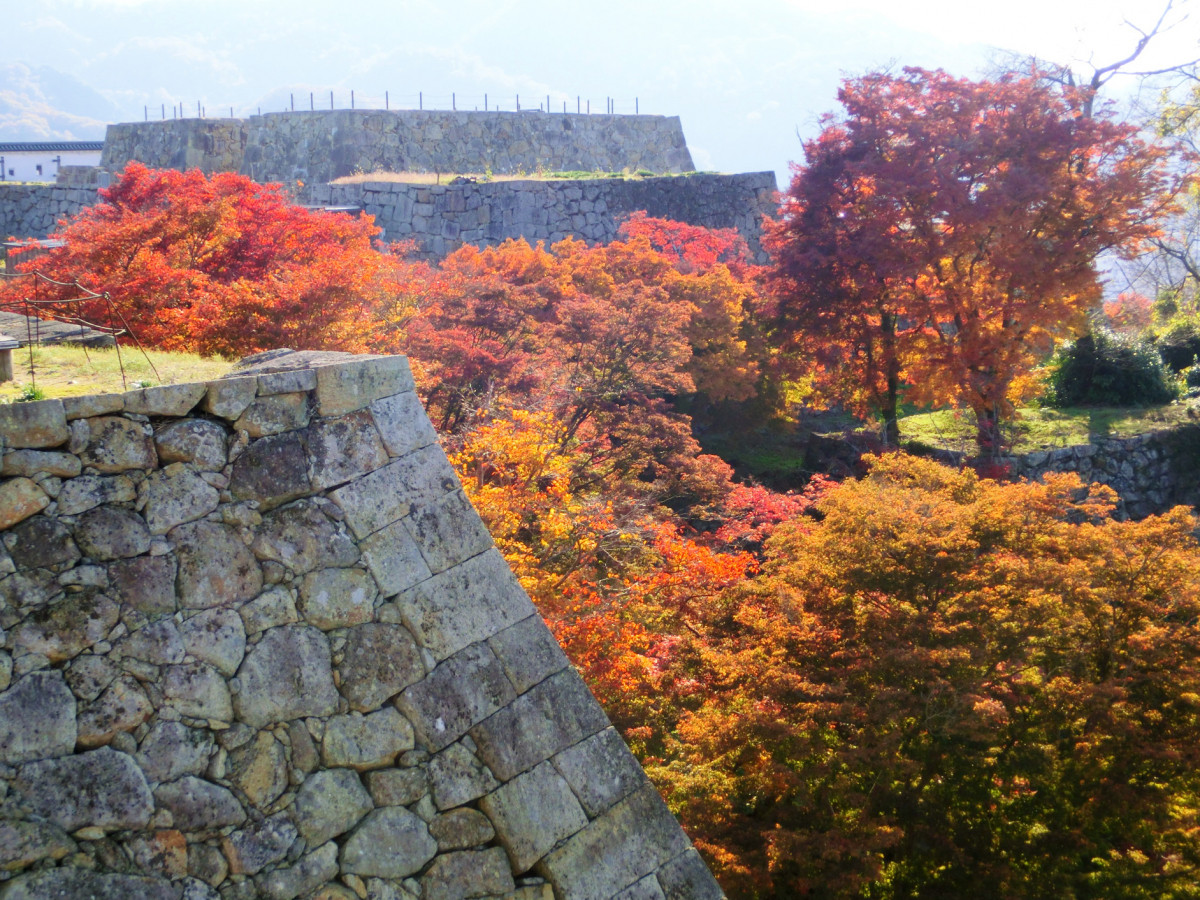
pixel 75 372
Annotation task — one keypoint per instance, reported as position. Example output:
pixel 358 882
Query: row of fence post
pixel 581 106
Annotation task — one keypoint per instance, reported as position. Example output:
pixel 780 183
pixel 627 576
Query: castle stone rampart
pixel 255 643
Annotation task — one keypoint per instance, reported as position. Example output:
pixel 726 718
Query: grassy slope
pixel 72 371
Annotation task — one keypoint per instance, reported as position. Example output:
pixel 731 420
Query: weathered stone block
pixel 109 532
pixel 20 498
pixel 259 769
pixel 337 598
pixel 171 750
pixel 342 449
pixel 287 382
pixel 68 627
pixel 532 813
pixel 462 691
pixel 528 652
pixel 39 542
pixel 229 397
pixel 402 423
pixel 123 707
pixel 197 690
pixel 304 877
pixel 349 386
pixel 389 843
pixel 398 787
pixel 24 843
pixel 550 717
pixel 164 400
pixel 68 882
pixel 196 804
pixel 158 643
pixel 645 889
pixel 686 877
pixel 394 491
pixel 36 462
pixel 118 444
pixel 89 675
pixel 272 470
pixel 274 415
pixel 394 559
pixel 89 491
pixel 463 605
pixel 286 675
pixel 101 788
pixel 468 873
pixel 379 661
pixel 196 441
pixel 366 742
pixel 330 803
pixel 145 584
pixel 216 637
pixel 263 843
pixel 600 770
pixel 270 609
pixel 629 841
pixel 458 777
pixel 174 495
pixel 215 566
pixel 161 853
pixel 42 423
pixel 95 405
pixel 303 538
pixel 448 531
pixel 37 718
pixel 461 829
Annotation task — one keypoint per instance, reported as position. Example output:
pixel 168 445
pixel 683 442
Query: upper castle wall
pixel 322 146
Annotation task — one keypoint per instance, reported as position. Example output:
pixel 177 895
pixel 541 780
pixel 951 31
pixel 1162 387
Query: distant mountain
pixel 40 103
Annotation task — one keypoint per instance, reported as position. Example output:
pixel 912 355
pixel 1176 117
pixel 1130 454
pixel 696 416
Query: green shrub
pixel 1107 369
pixel 1191 376
pixel 1179 342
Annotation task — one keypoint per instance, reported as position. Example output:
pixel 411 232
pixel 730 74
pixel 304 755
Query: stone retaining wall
pixel 33 210
pixel 441 218
pixel 256 643
pixel 324 145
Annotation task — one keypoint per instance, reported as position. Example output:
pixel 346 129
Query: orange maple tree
pixel 942 234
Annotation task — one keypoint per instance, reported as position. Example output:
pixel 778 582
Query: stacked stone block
pixel 34 210
pixel 256 643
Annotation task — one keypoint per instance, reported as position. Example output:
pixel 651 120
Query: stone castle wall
pixel 256 643
pixel 441 218
pixel 33 210
pixel 322 146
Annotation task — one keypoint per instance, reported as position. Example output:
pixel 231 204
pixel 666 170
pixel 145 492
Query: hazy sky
pixel 748 79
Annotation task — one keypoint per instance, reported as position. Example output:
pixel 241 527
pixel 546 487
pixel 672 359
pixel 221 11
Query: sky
pixel 749 79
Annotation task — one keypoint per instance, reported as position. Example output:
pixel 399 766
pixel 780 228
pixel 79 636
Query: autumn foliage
pixel 218 265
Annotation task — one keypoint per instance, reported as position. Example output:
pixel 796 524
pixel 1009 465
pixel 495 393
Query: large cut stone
pixel 461 829
pixel 458 777
pixel 197 690
pixel 215 567
pixel 448 531
pixel 303 538
pixel 118 444
pixel 286 675
pixel 37 462
pixel 463 605
pixel 391 493
pixel 196 804
pixel 229 397
pixel 348 386
pixel 42 423
pixel 89 491
pixel 556 714
pixel 68 883
pixel 123 707
pixel 89 676
pixel 164 399
pixel 171 750
pixel 629 841
pixel 146 584
pixel 398 787
pixel 37 718
pixel 532 813
pixel 379 661
pixel 176 494
pixel 274 414
pixel 40 542
pixel 600 770
pixel 195 441
pixel 330 803
pixel 389 843
pixel 68 627
pixel 272 470
pixel 366 742
pixel 394 559
pixel 468 873
pixel 686 877
pixel 20 498
pixel 216 637
pixel 462 691
pixel 109 532
pixel 24 843
pixel 259 769
pixel 337 598
pixel 304 877
pixel 528 652
pixel 101 788
pixel 158 643
pixel 402 424
pixel 265 842
pixel 342 449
